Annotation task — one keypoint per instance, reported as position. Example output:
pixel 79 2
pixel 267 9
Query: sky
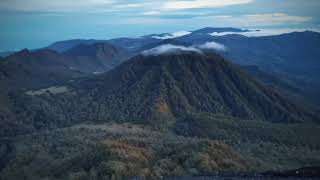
pixel 38 23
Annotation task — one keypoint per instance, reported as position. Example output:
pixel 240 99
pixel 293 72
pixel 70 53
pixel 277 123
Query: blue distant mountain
pixel 135 42
pixel 62 46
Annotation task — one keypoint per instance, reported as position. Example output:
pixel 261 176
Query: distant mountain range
pixel 135 43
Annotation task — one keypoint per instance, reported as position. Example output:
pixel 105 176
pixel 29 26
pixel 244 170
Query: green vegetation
pixel 115 151
pixel 272 146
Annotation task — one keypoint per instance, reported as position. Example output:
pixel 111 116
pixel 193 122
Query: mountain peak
pixel 187 82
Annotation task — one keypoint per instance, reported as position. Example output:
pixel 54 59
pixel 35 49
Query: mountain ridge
pixel 172 86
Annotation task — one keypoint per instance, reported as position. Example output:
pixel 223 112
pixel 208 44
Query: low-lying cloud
pixel 178 5
pixel 265 32
pixel 173 35
pixel 170 48
pixel 213 45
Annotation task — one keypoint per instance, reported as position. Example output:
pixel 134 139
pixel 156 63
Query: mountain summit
pixel 184 82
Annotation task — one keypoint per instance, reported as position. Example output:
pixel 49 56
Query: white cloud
pixel 276 18
pixel 265 32
pixel 257 19
pixel 125 6
pixel 177 5
pixel 213 45
pixel 173 35
pixel 223 33
pixel 151 13
pixel 53 5
pixel 169 48
pixel 154 5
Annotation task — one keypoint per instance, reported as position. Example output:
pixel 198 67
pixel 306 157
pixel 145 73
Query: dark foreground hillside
pixel 104 151
pixel 115 151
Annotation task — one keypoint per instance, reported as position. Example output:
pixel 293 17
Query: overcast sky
pixel 37 23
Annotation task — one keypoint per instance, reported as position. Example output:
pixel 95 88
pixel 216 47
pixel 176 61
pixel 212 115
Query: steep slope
pixel 292 88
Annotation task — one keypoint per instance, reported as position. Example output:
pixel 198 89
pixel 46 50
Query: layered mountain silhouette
pixel 41 68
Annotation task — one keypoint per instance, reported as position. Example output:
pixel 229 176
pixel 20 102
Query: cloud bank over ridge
pixel 170 48
pixel 213 45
